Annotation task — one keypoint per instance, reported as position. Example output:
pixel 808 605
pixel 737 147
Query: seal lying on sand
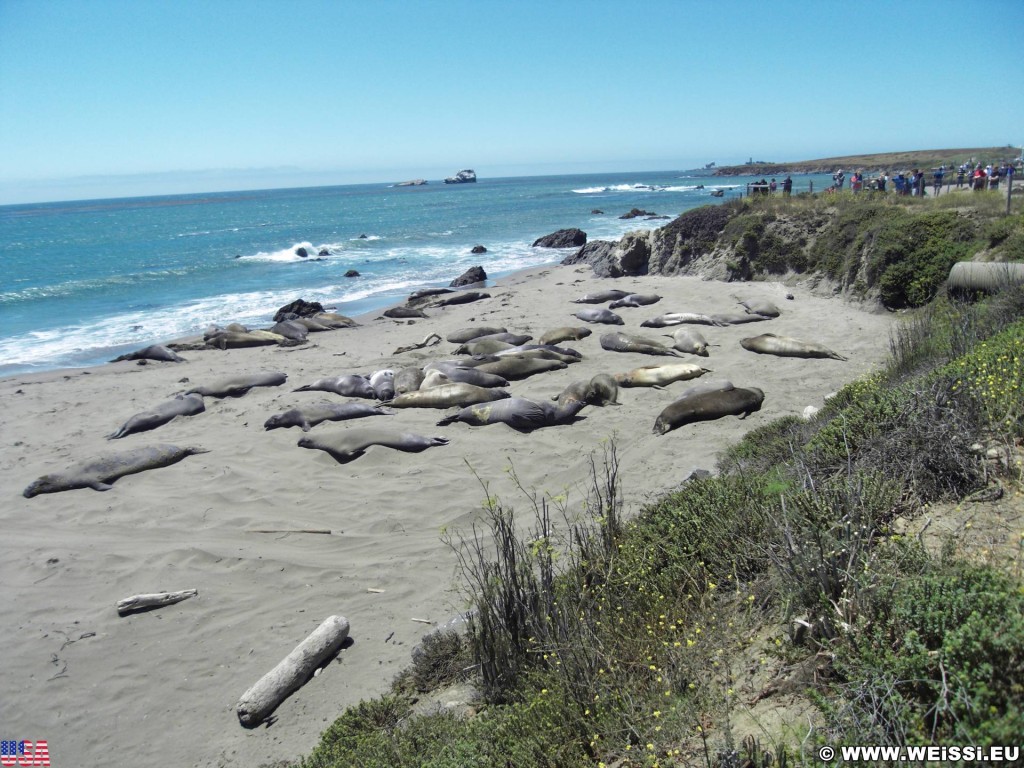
pixel 600 297
pixel 517 412
pixel 787 346
pixel 737 318
pixel 566 333
pixel 152 352
pixel 383 383
pixel 515 367
pixel 241 340
pixel 635 300
pixel 605 316
pixel 760 307
pixel 463 335
pixel 600 390
pixel 709 405
pixel 461 374
pixel 100 473
pixel 460 298
pixel 308 416
pixel 398 313
pixel 689 340
pixel 237 386
pixel 349 385
pixel 624 342
pixel 659 375
pixel 350 444
pixel 447 396
pixel 182 405
pixel 679 318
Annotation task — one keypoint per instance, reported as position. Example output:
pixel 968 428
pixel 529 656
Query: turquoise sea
pixel 82 282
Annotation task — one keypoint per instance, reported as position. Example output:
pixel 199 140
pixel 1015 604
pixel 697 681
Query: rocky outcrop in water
pixel 563 238
pixel 471 276
pixel 298 308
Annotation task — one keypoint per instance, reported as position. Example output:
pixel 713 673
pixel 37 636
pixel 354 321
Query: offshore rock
pixel 478 249
pixel 462 177
pixel 298 308
pixel 563 238
pixel 471 276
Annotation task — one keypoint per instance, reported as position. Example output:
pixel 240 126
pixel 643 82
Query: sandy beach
pixel 160 688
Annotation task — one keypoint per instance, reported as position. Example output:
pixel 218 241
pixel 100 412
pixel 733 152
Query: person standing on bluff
pixel 978 179
pixel 839 177
pixel 787 186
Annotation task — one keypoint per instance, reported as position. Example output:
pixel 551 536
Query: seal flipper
pixel 98 485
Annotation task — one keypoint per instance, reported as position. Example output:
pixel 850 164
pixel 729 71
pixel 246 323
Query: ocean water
pixel 82 282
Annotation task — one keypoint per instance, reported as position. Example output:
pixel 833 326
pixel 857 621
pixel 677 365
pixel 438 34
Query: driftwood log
pixel 988 276
pixel 137 603
pixel 292 672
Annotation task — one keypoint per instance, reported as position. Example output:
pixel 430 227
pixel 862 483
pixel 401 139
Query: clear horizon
pixel 119 99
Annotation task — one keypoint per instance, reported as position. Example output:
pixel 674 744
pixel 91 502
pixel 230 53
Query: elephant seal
pixel 447 396
pixel 408 379
pixel 310 324
pixel 463 335
pixel 516 367
pixel 397 313
pixel 707 406
pixel 659 375
pixel 239 340
pixel 690 341
pixel 761 307
pixel 542 351
pixel 383 383
pixel 679 318
pixel 465 375
pixel 291 330
pixel 100 473
pixel 349 385
pixel 236 386
pixel 565 333
pixel 635 300
pixel 461 298
pixel 350 444
pixel 333 321
pixel 605 316
pixel 308 416
pixel 483 347
pixel 182 405
pixel 152 352
pixel 787 346
pixel 737 318
pixel 519 413
pixel 624 342
pixel 600 390
pixel 600 297
pixel 515 339
pixel 428 292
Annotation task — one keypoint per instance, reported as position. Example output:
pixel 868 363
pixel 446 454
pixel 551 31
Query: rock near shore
pixel 471 276
pixel 563 238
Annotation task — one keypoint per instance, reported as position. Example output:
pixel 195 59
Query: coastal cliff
pixel 870 249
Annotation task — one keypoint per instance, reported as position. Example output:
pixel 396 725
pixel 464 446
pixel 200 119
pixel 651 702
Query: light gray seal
pixel 463 335
pixel 680 318
pixel 482 347
pixel 660 375
pixel 787 346
pixel 100 473
pixel 760 307
pixel 349 385
pixel 242 340
pixel 709 405
pixel 461 298
pixel 624 342
pixel 236 386
pixel 635 300
pixel 383 383
pixel 350 444
pixel 468 375
pixel 308 416
pixel 737 318
pixel 182 405
pixel 544 351
pixel 565 333
pixel 519 413
pixel 600 297
pixel 291 330
pixel 152 352
pixel 447 396
pixel 605 316
pixel 398 313
pixel 515 339
pixel 690 341
pixel 516 367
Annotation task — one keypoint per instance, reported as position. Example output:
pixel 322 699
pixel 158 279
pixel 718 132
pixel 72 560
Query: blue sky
pixel 103 98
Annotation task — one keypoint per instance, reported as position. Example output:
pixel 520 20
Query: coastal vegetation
pixel 883 161
pixel 794 599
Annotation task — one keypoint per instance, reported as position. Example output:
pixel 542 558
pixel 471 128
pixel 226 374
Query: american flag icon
pixel 24 753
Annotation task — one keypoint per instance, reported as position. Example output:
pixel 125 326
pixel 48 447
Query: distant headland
pixel 925 158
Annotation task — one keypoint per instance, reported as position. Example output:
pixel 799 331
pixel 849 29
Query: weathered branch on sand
pixel 137 603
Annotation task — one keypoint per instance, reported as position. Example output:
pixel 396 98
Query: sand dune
pixel 160 687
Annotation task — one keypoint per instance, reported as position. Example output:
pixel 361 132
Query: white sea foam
pixel 291 254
